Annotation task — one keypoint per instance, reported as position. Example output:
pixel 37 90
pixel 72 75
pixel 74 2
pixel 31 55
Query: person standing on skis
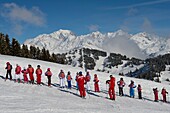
pixel 69 78
pixel 88 78
pixel 9 69
pixel 111 83
pixel 121 84
pixel 18 73
pixel 76 79
pixel 96 85
pixel 25 72
pixel 139 88
pixel 30 70
pixel 164 92
pixel 81 81
pixel 155 91
pixel 62 79
pixel 132 91
pixel 48 73
pixel 38 73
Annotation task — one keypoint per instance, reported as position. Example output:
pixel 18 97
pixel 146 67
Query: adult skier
pixel 62 78
pixel 18 73
pixel 111 83
pixel 132 91
pixel 81 81
pixel 69 78
pixel 48 73
pixel 139 88
pixel 9 69
pixel 30 70
pixel 96 85
pixel 38 73
pixel 121 84
pixel 25 72
pixel 88 78
pixel 164 92
pixel 155 91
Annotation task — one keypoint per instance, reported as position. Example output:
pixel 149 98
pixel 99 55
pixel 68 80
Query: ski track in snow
pixel 27 98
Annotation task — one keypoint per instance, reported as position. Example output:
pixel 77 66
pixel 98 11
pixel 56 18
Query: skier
pixel 25 72
pixel 38 73
pixel 132 86
pixel 69 78
pixel 155 91
pixel 164 92
pixel 121 84
pixel 48 73
pixel 96 85
pixel 139 88
pixel 88 78
pixel 18 73
pixel 81 81
pixel 111 83
pixel 62 78
pixel 77 75
pixel 9 69
pixel 30 70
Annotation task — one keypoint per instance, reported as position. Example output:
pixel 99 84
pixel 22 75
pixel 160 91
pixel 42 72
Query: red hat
pixel 48 69
pixel 7 63
pixel 95 75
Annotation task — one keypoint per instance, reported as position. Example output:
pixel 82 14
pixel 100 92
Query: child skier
pixel 132 86
pixel 62 78
pixel 96 85
pixel 77 75
pixel 30 70
pixel 155 91
pixel 88 78
pixel 69 78
pixel 38 73
pixel 25 72
pixel 9 69
pixel 139 88
pixel 48 73
pixel 121 84
pixel 164 92
pixel 18 73
pixel 111 83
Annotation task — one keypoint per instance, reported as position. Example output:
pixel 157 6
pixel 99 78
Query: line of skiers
pixel 80 79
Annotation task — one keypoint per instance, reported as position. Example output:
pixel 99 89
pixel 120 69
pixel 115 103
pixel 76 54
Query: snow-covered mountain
pixel 136 45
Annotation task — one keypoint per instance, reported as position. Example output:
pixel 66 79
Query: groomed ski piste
pixel 27 98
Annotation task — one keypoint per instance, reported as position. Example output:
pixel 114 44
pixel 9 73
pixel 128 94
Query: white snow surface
pixel 140 45
pixel 26 98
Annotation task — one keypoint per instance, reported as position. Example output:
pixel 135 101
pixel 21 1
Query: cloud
pixel 147 26
pixel 140 4
pixel 93 28
pixel 123 45
pixel 20 15
pixel 132 12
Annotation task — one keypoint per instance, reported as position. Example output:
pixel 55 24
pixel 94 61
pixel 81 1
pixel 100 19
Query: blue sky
pixel 25 19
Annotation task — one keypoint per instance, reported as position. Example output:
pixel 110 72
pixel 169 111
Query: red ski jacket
pixel 18 70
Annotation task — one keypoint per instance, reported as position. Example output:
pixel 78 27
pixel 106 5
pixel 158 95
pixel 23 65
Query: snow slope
pixel 26 98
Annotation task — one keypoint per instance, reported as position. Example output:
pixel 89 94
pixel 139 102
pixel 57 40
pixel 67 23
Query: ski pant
pixel 112 93
pixel 82 91
pixel 121 91
pixel 156 97
pixel 49 80
pixel 132 92
pixel 140 95
pixel 8 73
pixel 25 78
pixel 96 87
pixel 77 85
pixel 69 84
pixel 38 79
pixel 31 77
pixel 62 82
pixel 18 76
pixel 164 98
pixel 88 86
